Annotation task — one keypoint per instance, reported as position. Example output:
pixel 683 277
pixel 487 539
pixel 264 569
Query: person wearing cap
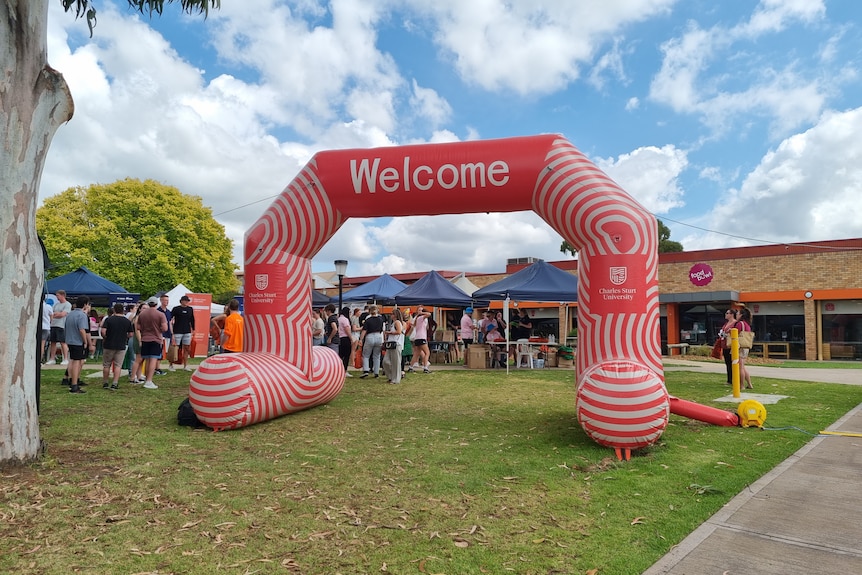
pixel 182 328
pixel 467 329
pixel 151 325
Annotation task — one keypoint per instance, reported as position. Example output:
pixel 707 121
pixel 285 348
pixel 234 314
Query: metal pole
pixel 340 285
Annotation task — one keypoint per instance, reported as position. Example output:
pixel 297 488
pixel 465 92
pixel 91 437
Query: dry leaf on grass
pixel 188 525
pixel 638 520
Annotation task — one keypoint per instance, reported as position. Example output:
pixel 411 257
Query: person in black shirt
pixel 330 327
pixel 372 342
pixel 182 327
pixel 116 330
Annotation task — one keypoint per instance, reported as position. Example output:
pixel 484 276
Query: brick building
pixel 806 298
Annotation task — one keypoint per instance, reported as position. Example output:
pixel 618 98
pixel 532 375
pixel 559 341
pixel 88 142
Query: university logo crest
pixel 261 281
pixel 618 275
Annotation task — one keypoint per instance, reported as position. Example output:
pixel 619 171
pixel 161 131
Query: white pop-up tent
pixel 466 285
pixel 180 290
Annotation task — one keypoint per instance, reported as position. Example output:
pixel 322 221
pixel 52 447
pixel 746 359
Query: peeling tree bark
pixel 34 102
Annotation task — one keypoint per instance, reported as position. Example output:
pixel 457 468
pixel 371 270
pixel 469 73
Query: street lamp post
pixel 341 270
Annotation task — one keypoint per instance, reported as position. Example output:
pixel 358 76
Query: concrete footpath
pixel 801 517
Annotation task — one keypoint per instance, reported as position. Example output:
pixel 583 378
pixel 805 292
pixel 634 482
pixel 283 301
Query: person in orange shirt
pixel 231 339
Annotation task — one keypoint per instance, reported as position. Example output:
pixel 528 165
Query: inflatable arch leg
pixel 622 402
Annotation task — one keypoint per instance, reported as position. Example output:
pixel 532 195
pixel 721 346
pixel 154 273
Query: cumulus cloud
pixel 650 175
pixel 529 46
pixel 788 98
pixel 807 188
pixel 278 81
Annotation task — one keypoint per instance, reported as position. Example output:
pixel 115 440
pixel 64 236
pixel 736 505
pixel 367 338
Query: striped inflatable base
pixel 232 390
pixel 623 404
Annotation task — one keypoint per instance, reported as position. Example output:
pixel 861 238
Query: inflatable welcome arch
pixel 621 398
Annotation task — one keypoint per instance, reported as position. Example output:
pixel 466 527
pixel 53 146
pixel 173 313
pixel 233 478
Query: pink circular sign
pixel 700 274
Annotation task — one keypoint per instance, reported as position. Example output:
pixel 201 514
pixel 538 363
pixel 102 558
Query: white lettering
pixel 441 176
pixel 407 171
pixel 499 167
pixel 389 175
pixel 428 183
pixel 366 175
pixel 370 177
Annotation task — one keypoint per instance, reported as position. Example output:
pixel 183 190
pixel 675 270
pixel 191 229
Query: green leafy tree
pixel 34 102
pixel 143 235
pixel 665 245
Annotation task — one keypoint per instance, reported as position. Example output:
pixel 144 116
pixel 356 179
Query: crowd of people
pixel 140 335
pixel 401 342
pixel 137 335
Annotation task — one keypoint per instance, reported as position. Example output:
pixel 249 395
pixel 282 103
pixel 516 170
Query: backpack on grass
pixel 186 415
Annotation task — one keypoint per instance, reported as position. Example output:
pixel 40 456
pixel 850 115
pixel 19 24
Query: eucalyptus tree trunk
pixel 34 102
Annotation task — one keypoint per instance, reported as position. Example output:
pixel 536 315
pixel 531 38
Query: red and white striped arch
pixel 622 402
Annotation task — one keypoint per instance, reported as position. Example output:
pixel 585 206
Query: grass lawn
pixel 456 472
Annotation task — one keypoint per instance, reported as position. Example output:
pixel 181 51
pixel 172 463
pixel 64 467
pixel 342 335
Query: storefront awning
pixel 699 297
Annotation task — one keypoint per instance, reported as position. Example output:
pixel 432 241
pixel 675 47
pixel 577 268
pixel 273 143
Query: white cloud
pixel 774 15
pixel 528 46
pixel 807 189
pixel 154 117
pixel 650 175
pixel 684 82
pixel 288 79
pixel 430 105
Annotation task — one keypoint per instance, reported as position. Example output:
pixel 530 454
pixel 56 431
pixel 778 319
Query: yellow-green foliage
pixel 143 235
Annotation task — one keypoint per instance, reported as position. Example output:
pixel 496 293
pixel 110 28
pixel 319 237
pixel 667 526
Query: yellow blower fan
pixel 751 413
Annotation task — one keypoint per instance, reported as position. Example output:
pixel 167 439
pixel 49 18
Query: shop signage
pixel 700 274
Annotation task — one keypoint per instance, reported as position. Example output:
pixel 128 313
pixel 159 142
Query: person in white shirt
pixel 421 352
pixel 47 312
pixel 58 327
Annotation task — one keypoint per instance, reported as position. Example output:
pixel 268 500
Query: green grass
pixel 456 472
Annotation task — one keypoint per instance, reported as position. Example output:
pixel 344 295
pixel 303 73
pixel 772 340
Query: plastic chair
pixel 523 352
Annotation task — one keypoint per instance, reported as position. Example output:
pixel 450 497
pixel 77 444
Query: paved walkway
pixel 801 517
pixel 846 376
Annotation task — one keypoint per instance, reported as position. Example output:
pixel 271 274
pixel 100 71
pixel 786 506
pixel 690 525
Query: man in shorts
pixel 152 324
pixel 182 327
pixel 77 336
pixel 116 331
pixel 58 328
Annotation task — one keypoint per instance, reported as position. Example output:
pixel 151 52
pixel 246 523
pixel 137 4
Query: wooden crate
pixel 477 356
pixel 565 362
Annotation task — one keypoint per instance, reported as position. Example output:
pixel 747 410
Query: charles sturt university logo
pixel 618 275
pixel 261 281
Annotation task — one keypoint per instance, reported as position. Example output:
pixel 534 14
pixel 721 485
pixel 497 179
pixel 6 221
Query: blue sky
pixel 736 123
